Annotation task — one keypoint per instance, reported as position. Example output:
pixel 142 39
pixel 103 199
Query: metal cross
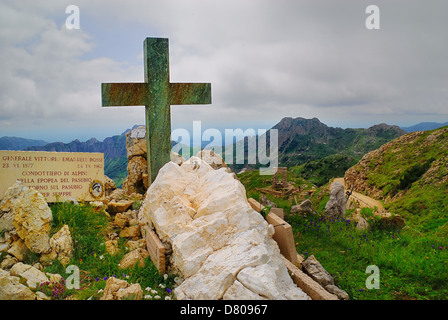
pixel 156 94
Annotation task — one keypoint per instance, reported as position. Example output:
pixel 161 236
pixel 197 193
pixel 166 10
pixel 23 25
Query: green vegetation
pixel 321 171
pixel 413 261
pixel 116 169
pixel 89 228
pixel 412 175
pixel 412 265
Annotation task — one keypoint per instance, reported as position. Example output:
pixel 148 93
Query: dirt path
pixel 363 200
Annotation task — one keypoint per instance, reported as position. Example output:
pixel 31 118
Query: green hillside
pixel 411 175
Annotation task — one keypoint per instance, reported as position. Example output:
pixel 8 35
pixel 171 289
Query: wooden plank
pixel 279 212
pixel 284 237
pixel 156 249
pixel 255 204
pixel 308 285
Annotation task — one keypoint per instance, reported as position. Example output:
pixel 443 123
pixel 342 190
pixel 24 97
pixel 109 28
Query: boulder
pixel 335 206
pixel 305 207
pixel 31 216
pixel 220 246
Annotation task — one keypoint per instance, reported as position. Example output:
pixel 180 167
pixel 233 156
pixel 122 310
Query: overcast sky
pixel 265 59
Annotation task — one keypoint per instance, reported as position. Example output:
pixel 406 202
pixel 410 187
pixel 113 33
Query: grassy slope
pixel 413 179
pixel 412 264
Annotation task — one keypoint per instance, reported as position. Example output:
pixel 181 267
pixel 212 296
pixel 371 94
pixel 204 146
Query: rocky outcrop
pixel 220 246
pixel 335 206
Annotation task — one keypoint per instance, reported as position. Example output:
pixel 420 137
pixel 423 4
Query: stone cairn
pixel 137 179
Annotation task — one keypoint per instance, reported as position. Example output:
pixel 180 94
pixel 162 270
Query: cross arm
pixel 124 94
pixel 190 93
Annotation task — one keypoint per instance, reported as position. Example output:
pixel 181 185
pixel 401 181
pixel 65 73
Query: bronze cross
pixel 157 94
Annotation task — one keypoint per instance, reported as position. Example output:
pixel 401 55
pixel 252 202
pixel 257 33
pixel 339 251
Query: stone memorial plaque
pixel 56 175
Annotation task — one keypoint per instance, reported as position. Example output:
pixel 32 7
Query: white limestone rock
pixel 220 245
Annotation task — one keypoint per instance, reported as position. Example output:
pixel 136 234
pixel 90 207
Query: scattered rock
pixel 8 262
pixel 19 250
pixel 33 276
pixel 317 272
pixel 12 289
pixel 117 289
pixel 391 220
pixel 112 246
pixel 335 206
pixel 130 232
pixel 119 206
pixel 131 258
pixel 341 294
pixel 362 224
pixel 305 207
pixel 121 220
